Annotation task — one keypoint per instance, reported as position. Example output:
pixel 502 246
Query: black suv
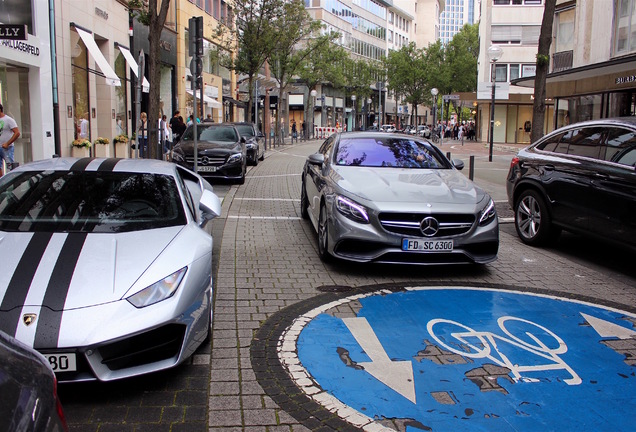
pixel 580 178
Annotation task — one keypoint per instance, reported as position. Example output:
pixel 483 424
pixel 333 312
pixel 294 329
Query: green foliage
pixel 139 10
pixel 543 60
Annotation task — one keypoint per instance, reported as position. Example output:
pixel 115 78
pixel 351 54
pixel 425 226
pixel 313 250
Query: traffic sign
pixel 450 97
pixel 468 359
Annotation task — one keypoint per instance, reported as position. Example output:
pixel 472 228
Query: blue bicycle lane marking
pixel 475 359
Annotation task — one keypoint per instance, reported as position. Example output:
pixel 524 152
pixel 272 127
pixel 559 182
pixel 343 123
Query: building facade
pixel 513 25
pixel 26 78
pixel 456 13
pixel 593 59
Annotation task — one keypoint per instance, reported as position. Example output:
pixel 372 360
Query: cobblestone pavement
pixel 269 273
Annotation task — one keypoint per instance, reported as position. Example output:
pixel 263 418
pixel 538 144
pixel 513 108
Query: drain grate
pixel 334 288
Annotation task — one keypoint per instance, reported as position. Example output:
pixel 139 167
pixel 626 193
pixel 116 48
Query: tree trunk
pixel 155 26
pixel 543 65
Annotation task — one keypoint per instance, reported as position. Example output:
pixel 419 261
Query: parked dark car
pixel 221 150
pixel 28 390
pixel 580 178
pixel 254 141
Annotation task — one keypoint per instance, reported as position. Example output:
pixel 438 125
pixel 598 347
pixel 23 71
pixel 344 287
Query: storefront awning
pixel 134 66
pixel 110 75
pixel 208 100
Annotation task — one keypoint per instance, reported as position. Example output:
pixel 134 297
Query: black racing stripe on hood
pixel 20 282
pixel 50 320
pixel 108 164
pixel 81 164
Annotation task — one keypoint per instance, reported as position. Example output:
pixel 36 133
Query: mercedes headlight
pixel 352 209
pixel 488 213
pixel 159 291
pixel 236 157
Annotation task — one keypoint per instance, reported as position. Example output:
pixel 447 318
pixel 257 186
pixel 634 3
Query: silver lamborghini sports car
pixel 395 198
pixel 106 264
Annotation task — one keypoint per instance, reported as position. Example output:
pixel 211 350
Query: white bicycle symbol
pixel 488 342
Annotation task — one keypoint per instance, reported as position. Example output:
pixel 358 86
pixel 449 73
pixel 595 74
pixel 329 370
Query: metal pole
pixel 471 168
pixel 492 121
pixel 140 74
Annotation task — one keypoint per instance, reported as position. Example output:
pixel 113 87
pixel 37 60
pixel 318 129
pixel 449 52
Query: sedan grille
pixel 409 224
pixel 206 160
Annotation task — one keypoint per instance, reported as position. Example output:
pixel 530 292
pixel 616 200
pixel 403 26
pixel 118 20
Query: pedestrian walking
pixel 303 128
pixel 9 132
pixel 294 131
pixel 142 135
pixel 164 133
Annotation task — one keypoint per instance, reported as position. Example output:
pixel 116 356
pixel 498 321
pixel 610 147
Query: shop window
pixel 121 123
pixel 81 107
pixel 14 96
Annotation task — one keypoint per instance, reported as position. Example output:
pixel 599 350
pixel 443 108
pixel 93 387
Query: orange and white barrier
pixel 324 132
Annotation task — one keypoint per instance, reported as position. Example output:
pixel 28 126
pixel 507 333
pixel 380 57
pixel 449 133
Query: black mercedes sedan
pixel 580 178
pixel 221 151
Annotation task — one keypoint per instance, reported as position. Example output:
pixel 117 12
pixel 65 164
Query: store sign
pixel 13 31
pixel 21 46
pixel 626 79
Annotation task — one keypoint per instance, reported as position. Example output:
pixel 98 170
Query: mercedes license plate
pixel 427 245
pixel 62 362
pixel 206 168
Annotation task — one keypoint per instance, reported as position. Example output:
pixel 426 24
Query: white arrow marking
pixel 397 375
pixel 608 329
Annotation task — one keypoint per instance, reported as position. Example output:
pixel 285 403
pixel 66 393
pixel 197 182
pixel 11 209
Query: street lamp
pixel 434 93
pixel 353 103
pixel 313 94
pixel 367 118
pixel 494 54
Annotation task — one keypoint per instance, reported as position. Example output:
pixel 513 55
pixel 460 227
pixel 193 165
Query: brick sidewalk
pixel 269 266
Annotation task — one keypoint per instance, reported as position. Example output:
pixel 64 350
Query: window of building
pixel 625 27
pixel 501 72
pixel 514 71
pixel 79 61
pixel 564 24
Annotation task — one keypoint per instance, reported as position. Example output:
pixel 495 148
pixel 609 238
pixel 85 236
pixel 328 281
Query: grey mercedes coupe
pixel 394 198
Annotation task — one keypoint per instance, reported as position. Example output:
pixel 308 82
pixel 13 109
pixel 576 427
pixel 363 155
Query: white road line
pixel 276 175
pixel 267 199
pixel 265 217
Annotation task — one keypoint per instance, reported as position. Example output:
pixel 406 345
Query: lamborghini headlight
pixel 352 209
pixel 159 291
pixel 488 213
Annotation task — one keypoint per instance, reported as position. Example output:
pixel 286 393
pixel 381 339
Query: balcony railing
pixel 561 61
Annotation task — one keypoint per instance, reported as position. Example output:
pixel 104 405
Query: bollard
pixel 471 168
pixel 448 155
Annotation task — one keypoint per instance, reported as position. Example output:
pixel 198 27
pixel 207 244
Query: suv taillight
pixel 514 162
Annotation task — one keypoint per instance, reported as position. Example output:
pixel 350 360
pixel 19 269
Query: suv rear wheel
pixel 532 219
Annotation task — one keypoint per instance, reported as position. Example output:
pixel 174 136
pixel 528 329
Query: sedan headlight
pixel 236 157
pixel 159 291
pixel 488 213
pixel 250 146
pixel 352 210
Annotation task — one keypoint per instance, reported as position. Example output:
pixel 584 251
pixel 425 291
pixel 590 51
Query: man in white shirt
pixel 9 132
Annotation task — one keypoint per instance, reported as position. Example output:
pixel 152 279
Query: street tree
pixel 462 53
pixel 359 75
pixel 252 37
pixel 152 13
pixel 437 72
pixel 407 75
pixel 543 64
pixel 323 65
pixel 293 47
